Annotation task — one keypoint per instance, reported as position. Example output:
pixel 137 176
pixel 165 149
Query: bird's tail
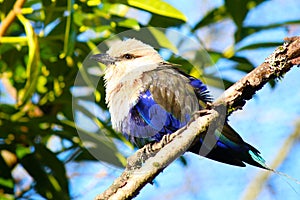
pixel 228 147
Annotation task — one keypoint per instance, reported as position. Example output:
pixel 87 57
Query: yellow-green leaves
pixel 162 40
pixel 33 65
pixel 158 7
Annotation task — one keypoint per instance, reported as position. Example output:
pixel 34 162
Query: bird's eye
pixel 128 56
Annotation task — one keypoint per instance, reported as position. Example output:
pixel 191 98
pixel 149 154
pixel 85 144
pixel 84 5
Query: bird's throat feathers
pixel 123 88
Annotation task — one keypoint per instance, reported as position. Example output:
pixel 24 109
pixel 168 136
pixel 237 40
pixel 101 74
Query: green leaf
pixel 70 34
pixel 129 23
pixel 213 16
pixel 162 40
pixel 20 40
pixel 7 109
pixel 158 7
pixel 217 82
pixel 260 45
pixel 48 173
pixel 6 181
pixel 243 64
pixel 164 22
pixel 238 9
pixel 49 159
pixel 115 9
pixel 246 31
pixel 100 145
pixel 33 65
pixel 22 151
pixel 215 56
pixel 275 25
pixel 53 10
pixel 185 65
pixel 6 6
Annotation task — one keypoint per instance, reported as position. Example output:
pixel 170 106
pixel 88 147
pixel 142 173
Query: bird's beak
pixel 104 58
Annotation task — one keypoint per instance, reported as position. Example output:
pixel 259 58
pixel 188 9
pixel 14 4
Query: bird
pixel 148 98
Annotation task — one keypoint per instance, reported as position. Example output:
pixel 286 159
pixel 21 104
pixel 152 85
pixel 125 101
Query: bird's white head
pixel 126 61
pixel 132 49
pixel 129 55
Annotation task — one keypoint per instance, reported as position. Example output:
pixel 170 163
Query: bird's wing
pixel 172 91
pixel 165 104
pixel 199 87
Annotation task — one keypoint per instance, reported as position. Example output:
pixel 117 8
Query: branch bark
pixel 275 66
pixel 148 162
pixel 11 17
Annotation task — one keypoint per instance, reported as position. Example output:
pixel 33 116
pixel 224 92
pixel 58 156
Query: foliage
pixel 40 55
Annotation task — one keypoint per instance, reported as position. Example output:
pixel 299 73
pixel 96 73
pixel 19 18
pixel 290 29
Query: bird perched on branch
pixel 148 98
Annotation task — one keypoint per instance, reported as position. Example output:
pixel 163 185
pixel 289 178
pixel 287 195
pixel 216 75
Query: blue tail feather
pixel 230 148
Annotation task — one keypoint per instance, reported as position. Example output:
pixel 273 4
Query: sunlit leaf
pixel 70 35
pixel 17 40
pixel 162 40
pixel 158 7
pixel 129 23
pixel 116 9
pixel 33 66
pixel 22 151
pixel 213 16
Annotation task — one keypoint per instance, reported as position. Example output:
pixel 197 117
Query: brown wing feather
pixel 172 91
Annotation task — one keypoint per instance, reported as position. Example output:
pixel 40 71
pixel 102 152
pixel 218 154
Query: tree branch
pixel 143 167
pixel 11 17
pixel 275 66
pixel 139 172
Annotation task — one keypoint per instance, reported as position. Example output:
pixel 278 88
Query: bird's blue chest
pixel 149 116
pixel 166 104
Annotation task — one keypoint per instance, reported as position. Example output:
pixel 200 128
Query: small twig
pixel 11 17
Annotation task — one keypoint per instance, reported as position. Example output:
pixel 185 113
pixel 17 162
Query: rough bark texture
pixel 149 161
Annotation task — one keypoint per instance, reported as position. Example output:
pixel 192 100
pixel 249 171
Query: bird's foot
pixel 137 160
pixel 164 141
pixel 149 150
